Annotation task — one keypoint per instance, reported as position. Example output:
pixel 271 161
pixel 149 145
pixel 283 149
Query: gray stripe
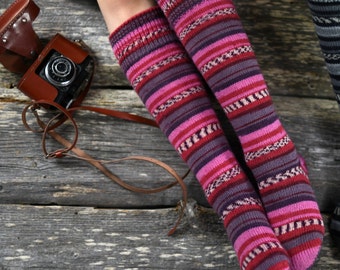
pixel 278 195
pixel 277 166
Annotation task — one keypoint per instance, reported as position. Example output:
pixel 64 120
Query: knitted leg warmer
pixel 213 36
pixel 171 88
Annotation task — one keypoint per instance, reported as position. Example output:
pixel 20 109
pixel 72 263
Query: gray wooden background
pixel 64 214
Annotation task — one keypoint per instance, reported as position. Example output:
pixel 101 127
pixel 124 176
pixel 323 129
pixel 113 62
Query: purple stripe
pixel 256 124
pixel 258 113
pixel 180 10
pixel 289 192
pixel 294 242
pixel 243 223
pixel 167 76
pixel 127 28
pixel 189 109
pixel 276 258
pixel 129 60
pixel 289 200
pixel 229 194
pixel 225 77
pixel 203 155
pixel 280 164
pixel 204 38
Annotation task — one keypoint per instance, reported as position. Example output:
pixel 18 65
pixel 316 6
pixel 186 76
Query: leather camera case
pixel 37 88
pixel 19 44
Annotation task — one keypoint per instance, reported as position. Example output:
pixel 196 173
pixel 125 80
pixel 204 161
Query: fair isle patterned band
pixel 163 63
pixel 140 40
pixel 245 202
pixel 290 227
pixel 202 20
pixel 196 137
pixel 228 55
pixel 246 101
pixel 177 98
pixel 258 250
pixel 266 150
pixel 281 177
pixel 222 179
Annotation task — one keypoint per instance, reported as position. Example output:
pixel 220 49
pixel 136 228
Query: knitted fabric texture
pixel 168 83
pixel 326 18
pixel 213 36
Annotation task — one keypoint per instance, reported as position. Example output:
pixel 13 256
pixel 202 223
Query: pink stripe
pixel 241 85
pixel 200 11
pixel 305 259
pixel 151 59
pixel 170 90
pixel 207 169
pixel 138 33
pixel 290 210
pixel 197 119
pixel 212 53
pixel 256 137
pixel 253 233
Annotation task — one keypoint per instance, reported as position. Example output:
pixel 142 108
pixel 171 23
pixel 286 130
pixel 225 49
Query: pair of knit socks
pixel 171 55
pixel 326 18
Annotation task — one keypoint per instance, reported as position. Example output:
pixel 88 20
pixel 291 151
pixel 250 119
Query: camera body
pixel 61 73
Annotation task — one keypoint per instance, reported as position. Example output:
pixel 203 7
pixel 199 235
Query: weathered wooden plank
pixel 284 39
pixel 28 178
pixel 90 238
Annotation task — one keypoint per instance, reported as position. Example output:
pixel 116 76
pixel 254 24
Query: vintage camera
pixel 60 72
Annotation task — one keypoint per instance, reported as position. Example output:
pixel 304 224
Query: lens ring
pixel 60 71
pixel 61 67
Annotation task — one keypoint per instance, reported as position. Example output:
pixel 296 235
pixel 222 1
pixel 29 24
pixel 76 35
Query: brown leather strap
pixel 117 114
pixel 19 45
pixel 99 164
pixel 48 129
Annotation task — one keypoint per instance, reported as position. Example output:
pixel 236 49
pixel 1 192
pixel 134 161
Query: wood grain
pixel 64 214
pixel 56 237
pixel 312 124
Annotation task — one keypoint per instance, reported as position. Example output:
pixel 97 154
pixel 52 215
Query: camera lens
pixel 60 71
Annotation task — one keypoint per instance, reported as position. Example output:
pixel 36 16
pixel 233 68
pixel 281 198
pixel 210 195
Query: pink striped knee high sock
pixel 168 83
pixel 213 36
